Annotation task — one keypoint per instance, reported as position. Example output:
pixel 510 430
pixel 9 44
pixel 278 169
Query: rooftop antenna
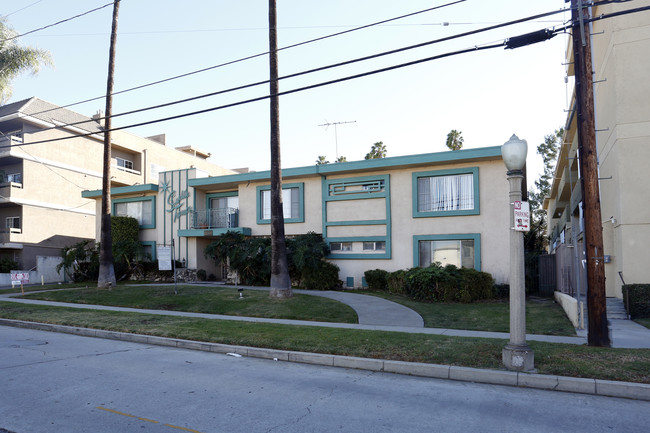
pixel 336 137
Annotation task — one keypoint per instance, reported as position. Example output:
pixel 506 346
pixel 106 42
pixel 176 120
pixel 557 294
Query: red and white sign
pixel 20 277
pixel 522 216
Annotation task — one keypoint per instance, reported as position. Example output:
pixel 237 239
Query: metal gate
pixel 547 277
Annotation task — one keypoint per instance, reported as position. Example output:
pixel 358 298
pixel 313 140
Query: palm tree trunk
pixel 280 280
pixel 106 277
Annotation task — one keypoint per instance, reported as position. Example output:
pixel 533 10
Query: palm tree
pixel 280 280
pixel 341 159
pixel 15 59
pixel 378 150
pixel 454 140
pixel 106 277
pixel 322 160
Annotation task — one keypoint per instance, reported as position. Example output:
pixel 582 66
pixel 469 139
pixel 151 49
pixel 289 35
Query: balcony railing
pixel 223 218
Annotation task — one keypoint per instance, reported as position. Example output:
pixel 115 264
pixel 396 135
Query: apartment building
pixel 49 155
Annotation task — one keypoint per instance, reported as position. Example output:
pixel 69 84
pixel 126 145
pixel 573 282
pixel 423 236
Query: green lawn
pixel 631 365
pixel 644 322
pixel 543 315
pixel 206 299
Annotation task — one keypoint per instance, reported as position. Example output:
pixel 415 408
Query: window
pixel 142 210
pixel 15 177
pixel 224 212
pixel 446 193
pixel 341 246
pixel 292 203
pixel 458 252
pixel 124 163
pixel 374 246
pixel 13 224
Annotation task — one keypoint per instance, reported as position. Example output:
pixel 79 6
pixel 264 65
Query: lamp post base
pixel 519 358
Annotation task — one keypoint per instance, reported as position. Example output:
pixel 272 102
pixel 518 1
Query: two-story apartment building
pixel 622 113
pixel 390 213
pixel 48 155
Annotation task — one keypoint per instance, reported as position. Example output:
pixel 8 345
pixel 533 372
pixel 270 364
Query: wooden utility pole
pixel 280 280
pixel 106 277
pixel 588 157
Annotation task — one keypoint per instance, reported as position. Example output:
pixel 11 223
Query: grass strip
pixel 630 365
pixel 210 300
pixel 543 315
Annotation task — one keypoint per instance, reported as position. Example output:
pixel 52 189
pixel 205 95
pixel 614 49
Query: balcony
pixel 222 218
pixel 15 137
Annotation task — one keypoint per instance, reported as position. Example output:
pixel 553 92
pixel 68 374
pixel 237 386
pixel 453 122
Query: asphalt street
pixel 53 382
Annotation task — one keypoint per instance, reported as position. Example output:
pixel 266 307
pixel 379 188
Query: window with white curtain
pixel 290 203
pixel 140 210
pixel 446 193
pixel 459 253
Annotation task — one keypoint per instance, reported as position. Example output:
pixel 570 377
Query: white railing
pixel 223 218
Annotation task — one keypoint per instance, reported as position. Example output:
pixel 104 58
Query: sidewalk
pixel 378 314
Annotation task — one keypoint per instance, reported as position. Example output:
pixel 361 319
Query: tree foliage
pixel 322 159
pixel 16 59
pixel 378 150
pixel 535 239
pixel 455 140
pixel 341 159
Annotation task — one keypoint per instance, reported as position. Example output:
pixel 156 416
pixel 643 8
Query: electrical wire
pixel 309 87
pixel 253 56
pixel 261 98
pixel 22 9
pixel 56 23
pixel 319 69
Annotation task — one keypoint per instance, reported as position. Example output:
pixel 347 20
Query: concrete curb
pixel 637 391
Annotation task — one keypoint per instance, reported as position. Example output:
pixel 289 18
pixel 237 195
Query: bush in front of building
pixel 435 283
pixel 250 257
pixel 377 279
pixel 7 264
pixel 637 300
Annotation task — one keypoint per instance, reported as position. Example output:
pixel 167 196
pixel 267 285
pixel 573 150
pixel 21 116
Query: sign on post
pixel 164 258
pixel 522 216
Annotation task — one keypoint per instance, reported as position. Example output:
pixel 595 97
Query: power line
pixel 22 9
pixel 56 23
pixel 326 83
pixel 286 92
pixel 319 69
pixel 231 62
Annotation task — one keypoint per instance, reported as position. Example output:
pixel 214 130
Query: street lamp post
pixel 516 355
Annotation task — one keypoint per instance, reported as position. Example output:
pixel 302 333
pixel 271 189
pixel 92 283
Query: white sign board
pixel 522 216
pixel 19 277
pixel 164 258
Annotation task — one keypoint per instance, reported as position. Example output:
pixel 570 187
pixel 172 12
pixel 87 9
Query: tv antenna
pixel 336 136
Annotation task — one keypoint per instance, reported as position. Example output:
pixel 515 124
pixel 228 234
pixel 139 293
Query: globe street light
pixel 516 355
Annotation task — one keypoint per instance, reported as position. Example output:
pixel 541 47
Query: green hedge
pixel 637 300
pixel 435 283
pixel 377 279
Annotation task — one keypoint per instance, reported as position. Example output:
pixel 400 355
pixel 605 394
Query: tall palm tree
pixel 106 277
pixel 16 59
pixel 280 280
pixel 378 150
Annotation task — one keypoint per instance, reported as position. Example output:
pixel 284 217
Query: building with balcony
pixel 622 113
pixel 49 154
pixel 390 213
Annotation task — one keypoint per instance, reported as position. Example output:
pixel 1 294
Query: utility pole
pixel 336 135
pixel 588 158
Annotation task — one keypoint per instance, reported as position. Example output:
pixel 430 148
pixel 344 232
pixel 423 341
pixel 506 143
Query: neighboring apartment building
pixel 622 111
pixel 390 213
pixel 41 178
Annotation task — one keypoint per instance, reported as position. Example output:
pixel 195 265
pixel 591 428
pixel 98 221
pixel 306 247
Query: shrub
pixel 377 279
pixel 637 300
pixel 325 277
pixel 202 275
pixel 428 284
pixel 7 265
pixel 478 285
pixel 396 282
pixel 501 291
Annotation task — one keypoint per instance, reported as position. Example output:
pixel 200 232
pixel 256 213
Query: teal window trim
pixel 151 198
pixel 450 172
pixel 301 200
pixel 382 181
pixel 476 237
pixel 219 195
pixel 153 249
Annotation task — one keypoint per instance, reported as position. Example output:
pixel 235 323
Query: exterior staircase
pixel 616 309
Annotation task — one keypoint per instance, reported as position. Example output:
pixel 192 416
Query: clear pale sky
pixel 488 95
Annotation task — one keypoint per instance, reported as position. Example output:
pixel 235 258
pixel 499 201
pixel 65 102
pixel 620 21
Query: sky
pixel 488 95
